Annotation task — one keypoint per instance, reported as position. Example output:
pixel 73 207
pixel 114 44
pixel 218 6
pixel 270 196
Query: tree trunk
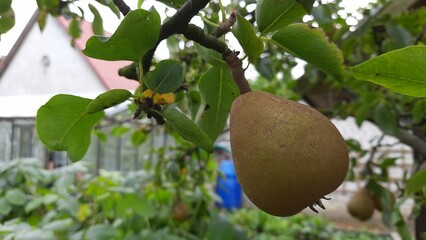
pixel 421 224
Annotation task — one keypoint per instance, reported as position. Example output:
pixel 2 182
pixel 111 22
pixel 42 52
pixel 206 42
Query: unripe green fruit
pixel 287 155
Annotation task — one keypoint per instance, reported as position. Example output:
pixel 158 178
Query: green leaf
pixel 140 3
pixel 119 131
pixel 264 67
pixel 50 5
pixel 108 99
pixel 102 232
pixel 311 45
pixel 272 15
pixel 141 205
pixel 187 129
pixel 218 91
pixel 110 4
pixel 366 105
pixel 16 197
pixel 173 3
pixel 416 183
pixel 100 135
pixel 5 5
pixel 403 230
pixel 63 124
pixel 5 207
pixel 34 204
pixel 419 110
pixel 130 71
pixel 138 137
pixel 387 200
pixel 136 34
pixel 97 24
pixel 166 77
pixel 114 9
pixel 210 56
pixel 388 162
pixel 401 36
pixel 69 205
pixel 73 30
pixel 42 18
pixel 385 118
pixel 59 225
pixel 220 228
pixel 7 20
pixel 50 198
pixel 400 71
pixel 35 234
pixel 194 101
pixel 307 5
pixel 354 145
pixel 244 32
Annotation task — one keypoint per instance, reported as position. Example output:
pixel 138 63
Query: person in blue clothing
pixel 227 187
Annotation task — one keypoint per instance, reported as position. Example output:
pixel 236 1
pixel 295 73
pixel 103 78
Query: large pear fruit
pixel 287 155
pixel 361 205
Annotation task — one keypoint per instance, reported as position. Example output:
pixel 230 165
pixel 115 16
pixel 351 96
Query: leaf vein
pixel 277 19
pixel 396 77
pixel 165 77
pixel 219 102
pixel 67 132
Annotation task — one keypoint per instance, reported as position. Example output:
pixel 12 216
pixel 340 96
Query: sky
pixel 24 9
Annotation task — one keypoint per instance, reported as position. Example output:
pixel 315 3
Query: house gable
pixel 43 64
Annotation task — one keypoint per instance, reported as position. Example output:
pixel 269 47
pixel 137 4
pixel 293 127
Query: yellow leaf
pixel 165 98
pixel 148 93
pixel 83 212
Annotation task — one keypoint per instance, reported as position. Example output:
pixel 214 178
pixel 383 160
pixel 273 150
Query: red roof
pixel 107 71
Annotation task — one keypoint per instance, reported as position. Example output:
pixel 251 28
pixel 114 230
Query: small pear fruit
pixel 287 155
pixel 180 211
pixel 361 205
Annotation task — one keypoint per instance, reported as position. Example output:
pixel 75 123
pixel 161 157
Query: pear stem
pixel 236 66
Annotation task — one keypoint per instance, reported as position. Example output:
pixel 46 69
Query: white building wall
pixel 46 64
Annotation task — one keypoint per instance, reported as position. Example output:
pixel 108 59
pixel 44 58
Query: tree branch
pixel 413 141
pixel 179 24
pixel 225 26
pixel 122 6
pixel 197 34
pixel 231 58
pixel 176 24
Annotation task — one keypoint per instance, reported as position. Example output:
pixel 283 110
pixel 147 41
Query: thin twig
pixel 175 25
pixel 122 6
pixel 226 25
pixel 197 34
pixel 179 24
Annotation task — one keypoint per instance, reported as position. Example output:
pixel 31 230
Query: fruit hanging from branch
pixel 361 205
pixel 287 155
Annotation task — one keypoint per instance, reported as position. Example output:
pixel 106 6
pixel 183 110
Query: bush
pixel 261 226
pixel 70 203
